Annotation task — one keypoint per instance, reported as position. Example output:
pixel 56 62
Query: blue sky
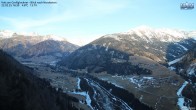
pixel 81 21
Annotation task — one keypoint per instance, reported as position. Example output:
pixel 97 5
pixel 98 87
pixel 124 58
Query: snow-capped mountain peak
pixel 6 33
pixel 162 34
pixel 112 36
pixel 54 37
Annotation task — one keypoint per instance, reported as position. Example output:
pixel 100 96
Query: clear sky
pixel 81 21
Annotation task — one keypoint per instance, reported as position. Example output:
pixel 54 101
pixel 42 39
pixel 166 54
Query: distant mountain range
pixel 33 45
pixel 50 47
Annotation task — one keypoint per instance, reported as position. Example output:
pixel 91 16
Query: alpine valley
pixel 143 68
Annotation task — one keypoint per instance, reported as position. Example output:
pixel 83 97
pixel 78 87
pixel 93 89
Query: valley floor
pixel 157 92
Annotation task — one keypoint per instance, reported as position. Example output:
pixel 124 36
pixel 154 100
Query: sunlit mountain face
pixel 35 47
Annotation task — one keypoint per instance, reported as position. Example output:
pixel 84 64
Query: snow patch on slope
pixel 106 49
pixel 175 61
pixel 116 84
pixel 86 95
pixel 78 83
pixel 134 81
pixel 181 98
pixel 191 71
pixel 112 36
pixel 179 93
pixel 149 78
pixel 171 68
pixel 181 46
pixel 88 100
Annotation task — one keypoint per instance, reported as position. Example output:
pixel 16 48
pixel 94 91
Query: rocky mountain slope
pixel 154 44
pixel 186 65
pixel 33 46
pixel 50 47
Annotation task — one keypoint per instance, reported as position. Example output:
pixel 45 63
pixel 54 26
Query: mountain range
pixel 23 46
pixel 158 45
pixel 156 67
